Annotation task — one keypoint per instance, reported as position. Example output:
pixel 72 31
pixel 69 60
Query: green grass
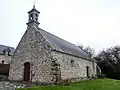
pixel 98 84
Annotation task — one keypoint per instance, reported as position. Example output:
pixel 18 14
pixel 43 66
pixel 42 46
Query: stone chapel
pixel 43 57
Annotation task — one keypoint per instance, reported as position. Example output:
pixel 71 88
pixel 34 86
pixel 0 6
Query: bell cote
pixel 33 17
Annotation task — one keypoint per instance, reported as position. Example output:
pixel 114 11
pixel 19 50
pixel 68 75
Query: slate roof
pixel 64 46
pixel 3 47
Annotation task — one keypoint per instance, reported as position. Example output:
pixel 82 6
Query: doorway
pixel 87 69
pixel 26 71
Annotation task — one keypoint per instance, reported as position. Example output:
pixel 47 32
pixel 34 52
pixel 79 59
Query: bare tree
pixel 90 51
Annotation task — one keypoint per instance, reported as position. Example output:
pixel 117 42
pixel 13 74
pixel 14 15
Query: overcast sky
pixel 94 23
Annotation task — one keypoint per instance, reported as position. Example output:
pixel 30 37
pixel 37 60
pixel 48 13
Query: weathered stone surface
pixel 77 70
pixel 6 85
pixel 7 59
pixel 33 48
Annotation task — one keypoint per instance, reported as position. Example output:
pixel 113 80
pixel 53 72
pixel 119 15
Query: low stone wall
pixel 13 85
pixel 6 85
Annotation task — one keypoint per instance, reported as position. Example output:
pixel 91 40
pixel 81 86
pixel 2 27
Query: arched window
pixel 3 61
pixel 36 19
pixel 31 17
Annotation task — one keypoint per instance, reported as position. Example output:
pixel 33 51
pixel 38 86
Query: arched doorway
pixel 26 71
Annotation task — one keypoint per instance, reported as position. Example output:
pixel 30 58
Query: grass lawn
pixel 98 84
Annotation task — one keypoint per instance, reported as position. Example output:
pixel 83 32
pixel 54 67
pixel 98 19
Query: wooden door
pixel 87 69
pixel 26 71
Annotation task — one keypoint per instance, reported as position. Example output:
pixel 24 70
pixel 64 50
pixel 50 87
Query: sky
pixel 94 23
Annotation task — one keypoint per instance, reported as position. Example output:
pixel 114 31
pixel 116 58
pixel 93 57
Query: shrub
pixel 3 77
pixel 101 75
pixel 64 82
pixel 94 77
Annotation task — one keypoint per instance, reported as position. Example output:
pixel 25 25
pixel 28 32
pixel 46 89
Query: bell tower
pixel 33 17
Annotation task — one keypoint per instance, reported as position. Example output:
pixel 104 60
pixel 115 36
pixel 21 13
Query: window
pixel 2 61
pixel 36 19
pixel 72 63
pixel 36 15
pixel 31 17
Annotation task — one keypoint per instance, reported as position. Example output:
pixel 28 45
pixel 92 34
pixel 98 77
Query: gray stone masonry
pixel 76 71
pixel 33 48
pixel 5 58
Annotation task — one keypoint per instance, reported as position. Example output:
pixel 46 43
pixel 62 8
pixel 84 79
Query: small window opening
pixel 72 63
pixel 2 61
pixel 31 17
pixel 54 63
pixel 36 15
pixel 36 19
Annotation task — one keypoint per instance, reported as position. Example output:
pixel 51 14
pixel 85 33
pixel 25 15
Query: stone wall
pixel 33 48
pixel 7 59
pixel 77 69
pixel 6 85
